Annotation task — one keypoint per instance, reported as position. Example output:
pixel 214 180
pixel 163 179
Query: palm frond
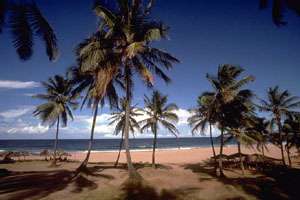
pixel 21 31
pixel 42 28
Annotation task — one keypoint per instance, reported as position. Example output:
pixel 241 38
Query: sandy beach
pixel 181 175
pixel 171 156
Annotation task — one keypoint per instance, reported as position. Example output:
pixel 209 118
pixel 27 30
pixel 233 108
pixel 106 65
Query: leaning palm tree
pixel 131 31
pixel 280 104
pixel 159 113
pixel 118 119
pixel 203 116
pixel 227 89
pixel 59 105
pixel 25 21
pixel 89 81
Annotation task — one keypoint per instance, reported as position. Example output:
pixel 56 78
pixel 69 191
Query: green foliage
pixel 118 118
pixel 59 101
pixel 158 112
pixel 26 21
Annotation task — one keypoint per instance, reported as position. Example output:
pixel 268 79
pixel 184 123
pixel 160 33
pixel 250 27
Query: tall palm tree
pixel 280 104
pixel 227 89
pixel 291 128
pixel 203 116
pixel 25 21
pixel 89 81
pixel 159 113
pixel 118 119
pixel 131 30
pixel 59 105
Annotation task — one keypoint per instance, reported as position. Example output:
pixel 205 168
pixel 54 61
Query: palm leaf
pixel 21 31
pixel 42 28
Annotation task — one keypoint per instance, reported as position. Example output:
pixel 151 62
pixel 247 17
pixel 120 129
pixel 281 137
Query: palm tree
pixel 291 128
pixel 227 91
pixel 159 113
pixel 203 116
pixel 25 21
pixel 239 119
pixel 59 105
pixel 90 81
pixel 118 119
pixel 281 105
pixel 131 30
pixel 262 129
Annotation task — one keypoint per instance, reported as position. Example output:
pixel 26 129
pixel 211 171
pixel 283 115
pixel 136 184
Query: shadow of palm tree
pixel 274 182
pixel 36 185
pixel 139 190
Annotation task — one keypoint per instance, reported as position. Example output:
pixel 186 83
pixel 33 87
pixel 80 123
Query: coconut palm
pixel 262 129
pixel 59 105
pixel 227 90
pixel 291 128
pixel 25 21
pixel 118 119
pixel 159 113
pixel 89 82
pixel 203 116
pixel 280 104
pixel 239 118
pixel 131 31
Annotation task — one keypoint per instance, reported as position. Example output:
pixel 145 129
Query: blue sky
pixel 203 34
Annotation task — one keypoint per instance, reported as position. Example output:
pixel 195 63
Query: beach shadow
pixel 142 165
pixel 36 185
pixel 101 166
pixel 139 190
pixel 276 182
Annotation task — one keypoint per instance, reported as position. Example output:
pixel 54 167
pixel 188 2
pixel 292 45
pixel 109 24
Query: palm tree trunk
pixel 221 154
pixel 263 153
pixel 281 141
pixel 212 142
pixel 154 147
pixel 131 170
pixel 120 148
pixel 241 159
pixel 289 156
pixel 55 142
pixel 86 160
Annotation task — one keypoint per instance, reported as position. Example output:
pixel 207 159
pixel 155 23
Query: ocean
pixel 72 145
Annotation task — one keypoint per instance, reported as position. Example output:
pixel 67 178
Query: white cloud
pixel 183 115
pixel 18 112
pixel 29 129
pixel 14 84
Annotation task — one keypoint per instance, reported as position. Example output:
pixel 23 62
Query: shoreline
pixel 163 156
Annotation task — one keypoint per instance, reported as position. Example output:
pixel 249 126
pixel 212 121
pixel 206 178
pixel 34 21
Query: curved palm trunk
pixel 263 153
pixel 154 147
pixel 86 160
pixel 131 170
pixel 120 148
pixel 55 142
pixel 281 141
pixel 212 142
pixel 221 153
pixel 241 159
pixel 289 156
